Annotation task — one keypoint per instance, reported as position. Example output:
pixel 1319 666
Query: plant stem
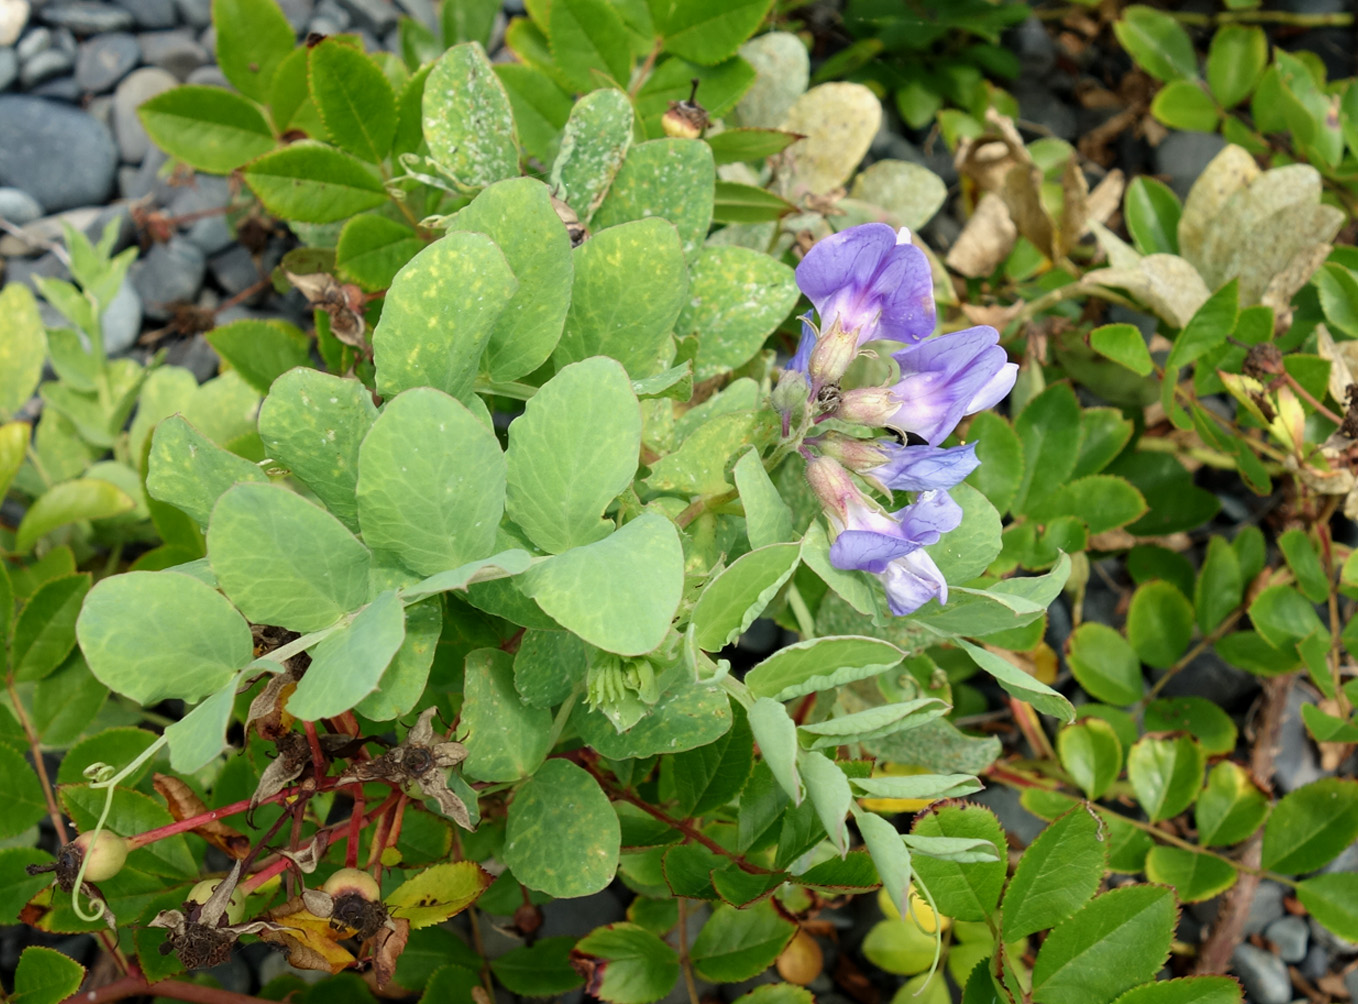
pixel 683 952
pixel 683 826
pixel 1212 637
pixel 35 745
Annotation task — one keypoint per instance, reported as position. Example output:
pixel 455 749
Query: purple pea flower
pixel 895 552
pixel 889 545
pixel 871 280
pixel 896 467
pixel 941 380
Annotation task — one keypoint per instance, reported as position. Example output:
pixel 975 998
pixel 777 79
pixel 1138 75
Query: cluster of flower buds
pixel 869 283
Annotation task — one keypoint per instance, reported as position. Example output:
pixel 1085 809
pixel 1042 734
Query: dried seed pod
pixel 686 119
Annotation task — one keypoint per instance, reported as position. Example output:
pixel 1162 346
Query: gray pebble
pixel 106 59
pixel 334 13
pixel 175 51
pixel 1316 964
pixel 210 233
pixel 151 15
pixel 1183 155
pixel 60 88
pixel 234 269
pixel 44 66
pixel 210 75
pixel 200 359
pixel 1351 983
pixel 323 25
pixel 48 266
pixel 122 320
pixel 1264 976
pixel 1034 48
pixel 195 13
pixel 1039 106
pixel 298 12
pixel 101 108
pixel 9 67
pixel 376 15
pixel 18 207
pixel 1265 908
pixel 1289 936
pixel 168 274
pixel 88 17
pixel 57 154
pixel 36 40
pixel 1295 761
pixel 137 87
pixel 139 182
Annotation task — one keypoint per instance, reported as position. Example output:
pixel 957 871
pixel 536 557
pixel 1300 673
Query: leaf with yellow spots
pixel 438 893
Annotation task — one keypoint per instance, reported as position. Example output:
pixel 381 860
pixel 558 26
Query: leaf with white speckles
pixel 838 120
pixel 620 593
pixel 190 472
pixel 630 285
pixel 572 451
pixel 439 315
pixel 674 179
pixel 468 121
pixel 506 739
pixel 431 483
pixel 737 298
pixel 283 560
pixel 593 145
pixel 313 423
pixel 562 799
pixel 518 215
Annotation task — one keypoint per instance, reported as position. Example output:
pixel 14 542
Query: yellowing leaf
pixel 309 941
pixel 438 893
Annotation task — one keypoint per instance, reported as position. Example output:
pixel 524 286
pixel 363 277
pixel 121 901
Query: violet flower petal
pixel 925 468
pixel 912 581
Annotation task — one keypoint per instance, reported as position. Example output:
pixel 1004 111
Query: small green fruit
pixel 235 906
pixel 105 858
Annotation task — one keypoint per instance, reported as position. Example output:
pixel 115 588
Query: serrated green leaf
pixel 208 128
pixel 261 351
pixel 253 37
pixel 1118 940
pixel 1056 876
pixel 1311 826
pixel 310 183
pixel 354 99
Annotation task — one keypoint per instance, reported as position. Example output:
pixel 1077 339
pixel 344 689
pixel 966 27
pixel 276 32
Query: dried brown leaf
pixel 985 241
pixel 184 804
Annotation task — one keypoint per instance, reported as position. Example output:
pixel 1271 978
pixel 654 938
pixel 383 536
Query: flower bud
pixel 106 856
pixel 832 485
pixel 235 906
pixel 790 395
pixel 833 353
pixel 868 406
pixel 856 454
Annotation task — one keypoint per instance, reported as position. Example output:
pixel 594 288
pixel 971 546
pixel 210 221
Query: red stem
pixel 355 828
pixel 683 826
pixel 189 823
